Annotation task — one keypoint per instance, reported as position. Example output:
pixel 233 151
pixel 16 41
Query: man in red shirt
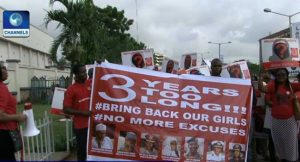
pixel 76 103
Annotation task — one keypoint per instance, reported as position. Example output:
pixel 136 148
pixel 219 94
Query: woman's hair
pixel 287 82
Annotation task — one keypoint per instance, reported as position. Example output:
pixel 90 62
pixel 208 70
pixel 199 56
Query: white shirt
pixel 168 152
pixel 106 143
pixel 211 156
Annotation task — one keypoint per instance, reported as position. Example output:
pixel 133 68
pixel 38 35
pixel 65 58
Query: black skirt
pixel 6 147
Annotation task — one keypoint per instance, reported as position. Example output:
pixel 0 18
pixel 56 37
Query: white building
pixel 26 58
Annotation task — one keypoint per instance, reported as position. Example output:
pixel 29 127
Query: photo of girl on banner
pixel 127 143
pixel 236 70
pixel 171 148
pixel 140 59
pixel 150 144
pixel 170 66
pixel 194 148
pixel 103 139
pixel 216 151
pixel 188 60
pixel 280 50
pixel 237 152
pixel 280 53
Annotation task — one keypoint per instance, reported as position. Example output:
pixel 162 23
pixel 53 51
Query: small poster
pixel 170 66
pixel 140 59
pixel 236 70
pixel 280 53
pixel 188 60
pixel 57 101
pixel 199 70
pixel 206 62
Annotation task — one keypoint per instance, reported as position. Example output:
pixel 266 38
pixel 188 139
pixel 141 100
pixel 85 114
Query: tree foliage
pixel 90 33
pixel 253 68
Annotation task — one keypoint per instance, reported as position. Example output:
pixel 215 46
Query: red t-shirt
pixel 8 103
pixel 77 97
pixel 282 100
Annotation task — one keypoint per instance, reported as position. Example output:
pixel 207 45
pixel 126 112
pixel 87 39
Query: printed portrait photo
pixel 280 50
pixel 216 151
pixel 235 71
pixel 171 147
pixel 237 152
pixel 138 60
pixel 149 144
pixel 127 142
pixel 103 136
pixel 193 148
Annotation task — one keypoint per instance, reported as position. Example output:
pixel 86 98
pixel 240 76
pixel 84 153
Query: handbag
pixel 17 139
pixel 296 105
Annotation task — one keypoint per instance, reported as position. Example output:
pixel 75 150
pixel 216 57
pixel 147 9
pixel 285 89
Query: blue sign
pixel 16 24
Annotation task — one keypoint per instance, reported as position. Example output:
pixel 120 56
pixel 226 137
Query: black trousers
pixel 7 152
pixel 81 141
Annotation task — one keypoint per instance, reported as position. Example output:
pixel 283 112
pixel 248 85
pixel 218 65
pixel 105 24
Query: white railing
pixel 42 146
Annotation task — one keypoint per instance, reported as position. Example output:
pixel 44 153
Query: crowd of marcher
pixel 274 95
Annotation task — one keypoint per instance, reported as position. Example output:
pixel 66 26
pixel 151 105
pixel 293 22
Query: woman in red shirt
pixel 8 118
pixel 284 126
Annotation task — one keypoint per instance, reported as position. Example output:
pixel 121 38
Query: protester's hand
pixel 2 114
pixel 260 82
pixel 92 113
pixel 21 117
pixel 87 113
pixel 295 97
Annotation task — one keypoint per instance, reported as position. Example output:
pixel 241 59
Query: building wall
pixel 19 77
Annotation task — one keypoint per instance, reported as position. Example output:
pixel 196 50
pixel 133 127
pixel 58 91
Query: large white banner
pixel 144 115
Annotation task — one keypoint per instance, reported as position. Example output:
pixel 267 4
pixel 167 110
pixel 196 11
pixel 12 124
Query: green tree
pixel 253 68
pixel 90 33
pixel 71 23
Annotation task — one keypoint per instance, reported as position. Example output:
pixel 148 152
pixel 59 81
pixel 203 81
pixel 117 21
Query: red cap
pixel 27 106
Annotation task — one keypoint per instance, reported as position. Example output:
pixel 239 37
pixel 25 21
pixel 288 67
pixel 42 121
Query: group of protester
pixel 280 94
pixel 279 97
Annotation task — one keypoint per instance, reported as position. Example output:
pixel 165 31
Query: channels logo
pixel 16 24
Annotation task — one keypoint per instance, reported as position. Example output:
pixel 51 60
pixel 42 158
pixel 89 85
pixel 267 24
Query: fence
pixel 42 88
pixel 42 146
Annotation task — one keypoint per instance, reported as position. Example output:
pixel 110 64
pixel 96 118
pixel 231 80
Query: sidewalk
pixel 71 156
